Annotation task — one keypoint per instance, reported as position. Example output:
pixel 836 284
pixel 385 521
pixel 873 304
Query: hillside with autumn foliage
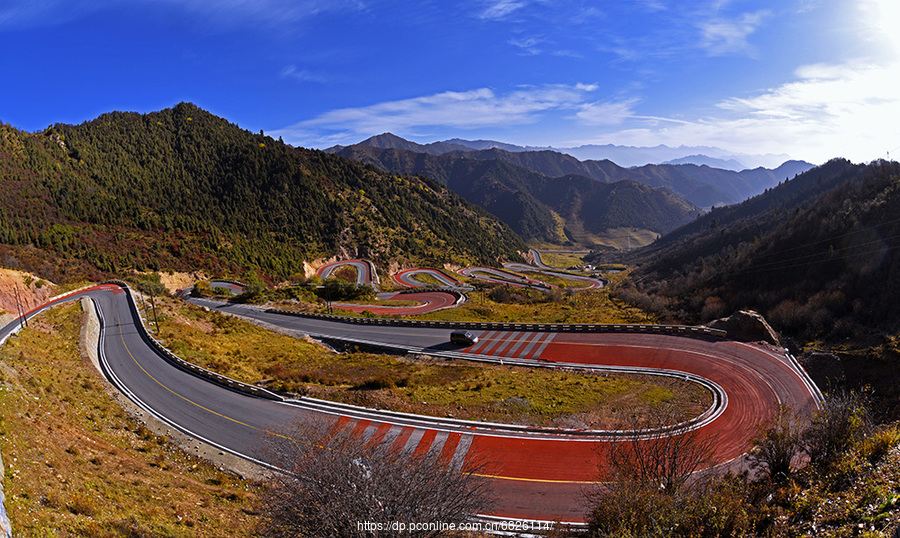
pixel 182 189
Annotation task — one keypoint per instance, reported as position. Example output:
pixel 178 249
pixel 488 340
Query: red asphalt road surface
pixel 405 278
pixel 430 301
pixel 543 478
pixel 544 474
pixel 499 276
pixel 363 270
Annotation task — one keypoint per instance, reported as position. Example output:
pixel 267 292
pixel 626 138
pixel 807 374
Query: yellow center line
pixel 542 480
pixel 122 336
pixel 268 432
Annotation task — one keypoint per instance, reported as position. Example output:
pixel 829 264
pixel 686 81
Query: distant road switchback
pixel 429 301
pixel 365 271
pixel 408 278
pixel 451 292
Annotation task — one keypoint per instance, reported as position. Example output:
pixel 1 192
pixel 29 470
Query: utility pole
pixel 19 308
pixel 143 300
pixel 156 319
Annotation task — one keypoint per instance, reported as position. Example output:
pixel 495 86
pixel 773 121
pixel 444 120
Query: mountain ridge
pixel 625 156
pixel 701 185
pixel 182 189
pixel 529 201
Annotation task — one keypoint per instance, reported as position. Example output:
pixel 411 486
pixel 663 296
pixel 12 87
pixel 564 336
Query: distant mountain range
pixel 531 190
pixel 700 184
pixel 625 156
pixel 540 208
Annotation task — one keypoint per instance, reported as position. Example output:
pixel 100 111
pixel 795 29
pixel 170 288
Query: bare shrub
pixel 338 482
pixel 656 488
pixel 713 308
pixel 655 455
pixel 844 419
pixel 778 445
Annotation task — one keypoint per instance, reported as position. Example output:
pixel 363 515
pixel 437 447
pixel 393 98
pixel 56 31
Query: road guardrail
pixel 199 371
pixel 679 330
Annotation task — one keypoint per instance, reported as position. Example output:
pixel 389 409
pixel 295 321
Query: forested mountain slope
pixel 184 189
pixel 818 255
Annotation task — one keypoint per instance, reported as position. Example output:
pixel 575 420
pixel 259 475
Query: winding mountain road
pixel 407 278
pixel 536 473
pixel 429 301
pixel 365 271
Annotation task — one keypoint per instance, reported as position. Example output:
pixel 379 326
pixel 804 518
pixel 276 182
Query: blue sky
pixel 811 78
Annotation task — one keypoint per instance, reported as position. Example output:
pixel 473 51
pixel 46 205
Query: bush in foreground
pixel 338 482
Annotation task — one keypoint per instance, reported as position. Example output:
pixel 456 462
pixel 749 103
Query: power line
pixel 879 241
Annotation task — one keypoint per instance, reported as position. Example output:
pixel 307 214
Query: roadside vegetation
pixel 507 304
pixel 424 385
pixel 343 480
pixel 77 465
pixel 428 280
pixel 553 280
pixel 561 260
pixel 832 474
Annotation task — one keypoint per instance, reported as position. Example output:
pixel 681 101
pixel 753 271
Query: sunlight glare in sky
pixel 884 18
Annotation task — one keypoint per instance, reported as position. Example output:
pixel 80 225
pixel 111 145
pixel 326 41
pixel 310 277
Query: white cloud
pixel 564 53
pixel 879 24
pixel 828 111
pixel 500 9
pixel 301 75
pixel 721 36
pixel 529 45
pixel 836 109
pixel 653 5
pixel 605 113
pixel 462 110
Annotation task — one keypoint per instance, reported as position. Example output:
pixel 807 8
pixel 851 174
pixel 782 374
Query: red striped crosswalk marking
pixel 462 450
pixel 379 434
pixel 526 353
pixel 402 438
pixel 425 443
pixel 482 341
pixel 537 354
pixel 360 427
pixel 527 337
pixel 450 447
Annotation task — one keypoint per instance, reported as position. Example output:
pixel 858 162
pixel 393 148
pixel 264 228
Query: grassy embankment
pixel 561 260
pixel 76 464
pixel 497 393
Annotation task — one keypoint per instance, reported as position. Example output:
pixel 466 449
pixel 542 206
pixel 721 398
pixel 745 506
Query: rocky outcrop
pixel 746 326
pixel 21 291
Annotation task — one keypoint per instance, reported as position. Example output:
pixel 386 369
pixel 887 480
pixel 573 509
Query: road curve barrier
pixel 371 279
pixel 458 296
pixel 675 330
pixel 405 278
pixel 235 283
